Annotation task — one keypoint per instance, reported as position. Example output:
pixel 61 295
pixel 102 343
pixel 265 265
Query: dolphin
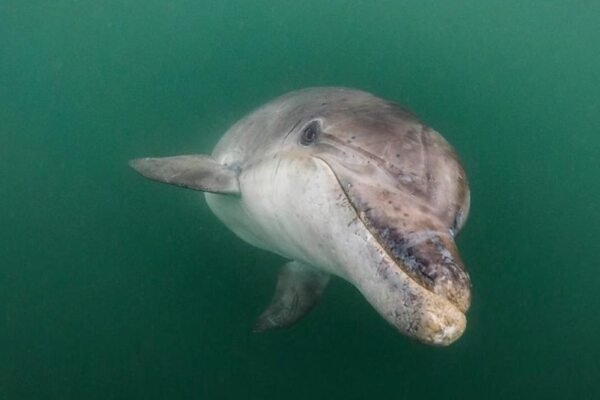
pixel 342 183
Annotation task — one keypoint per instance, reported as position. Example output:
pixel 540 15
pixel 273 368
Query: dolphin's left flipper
pixel 199 172
pixel 298 290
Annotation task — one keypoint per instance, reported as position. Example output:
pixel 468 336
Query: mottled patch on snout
pixel 428 256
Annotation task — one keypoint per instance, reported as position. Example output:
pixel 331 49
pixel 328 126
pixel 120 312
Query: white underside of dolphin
pixel 339 182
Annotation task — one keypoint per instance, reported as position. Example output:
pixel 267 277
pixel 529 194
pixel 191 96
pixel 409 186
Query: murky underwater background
pixel 112 287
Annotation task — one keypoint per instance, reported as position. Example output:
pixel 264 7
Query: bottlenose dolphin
pixel 342 183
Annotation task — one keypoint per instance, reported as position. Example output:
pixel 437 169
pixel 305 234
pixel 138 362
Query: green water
pixel 112 287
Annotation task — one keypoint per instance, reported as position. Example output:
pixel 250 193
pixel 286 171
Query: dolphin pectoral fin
pixel 198 172
pixel 299 288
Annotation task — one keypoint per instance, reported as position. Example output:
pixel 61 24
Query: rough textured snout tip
pixel 442 330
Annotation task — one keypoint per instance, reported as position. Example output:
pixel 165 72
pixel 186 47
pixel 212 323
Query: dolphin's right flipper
pixel 199 172
pixel 299 288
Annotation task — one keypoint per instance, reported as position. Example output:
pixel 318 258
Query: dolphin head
pixel 402 193
pixel 407 187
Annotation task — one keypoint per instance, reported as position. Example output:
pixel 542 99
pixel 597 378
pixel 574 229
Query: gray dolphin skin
pixel 342 183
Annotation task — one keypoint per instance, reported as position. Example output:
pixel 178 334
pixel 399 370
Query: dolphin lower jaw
pixel 411 308
pixel 382 273
pixel 422 247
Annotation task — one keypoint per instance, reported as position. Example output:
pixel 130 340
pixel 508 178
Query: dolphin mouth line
pixel 383 247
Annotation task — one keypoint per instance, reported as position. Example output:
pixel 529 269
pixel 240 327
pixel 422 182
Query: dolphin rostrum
pixel 342 183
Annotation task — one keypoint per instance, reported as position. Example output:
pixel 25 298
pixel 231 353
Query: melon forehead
pixel 339 109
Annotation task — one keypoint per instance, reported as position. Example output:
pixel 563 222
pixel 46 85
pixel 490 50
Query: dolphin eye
pixel 310 133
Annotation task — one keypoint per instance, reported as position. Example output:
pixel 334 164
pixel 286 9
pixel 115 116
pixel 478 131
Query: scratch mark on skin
pixel 277 168
pixel 423 156
pixel 291 130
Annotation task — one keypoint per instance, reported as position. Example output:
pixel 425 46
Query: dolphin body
pixel 342 183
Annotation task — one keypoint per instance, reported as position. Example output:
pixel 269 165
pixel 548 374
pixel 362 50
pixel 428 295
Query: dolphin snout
pixel 441 328
pixel 432 259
